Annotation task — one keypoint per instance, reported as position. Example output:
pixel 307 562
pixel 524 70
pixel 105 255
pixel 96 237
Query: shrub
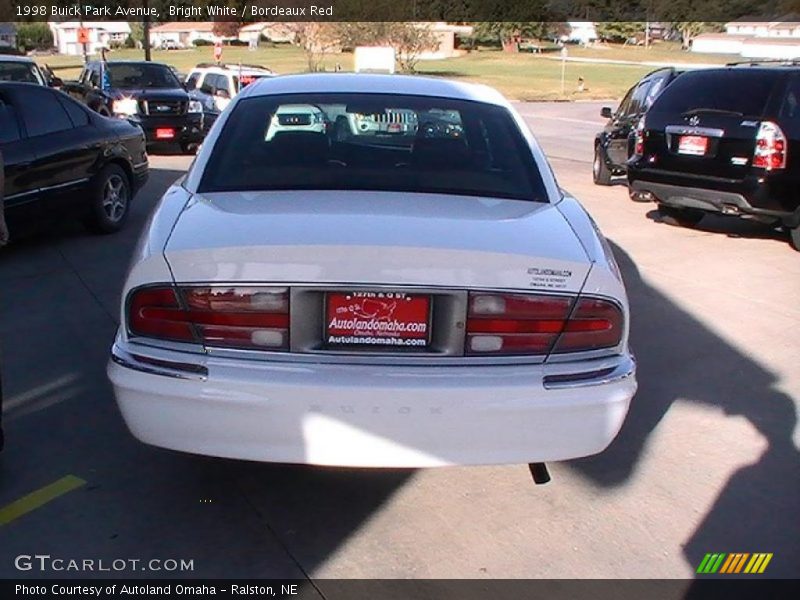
pixel 130 42
pixel 199 43
pixel 34 36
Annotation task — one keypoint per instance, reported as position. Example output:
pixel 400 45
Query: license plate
pixel 383 319
pixel 695 145
pixel 165 133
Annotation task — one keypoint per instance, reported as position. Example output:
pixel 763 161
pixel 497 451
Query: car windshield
pixel 141 75
pixel 20 71
pixel 381 142
pixel 718 92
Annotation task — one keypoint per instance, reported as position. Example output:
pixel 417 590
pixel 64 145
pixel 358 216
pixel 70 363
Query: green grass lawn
pixel 519 76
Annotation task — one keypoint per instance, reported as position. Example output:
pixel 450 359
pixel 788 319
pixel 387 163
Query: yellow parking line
pixel 39 498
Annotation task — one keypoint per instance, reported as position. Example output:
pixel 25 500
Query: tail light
pixel 525 324
pixel 233 317
pixel 770 152
pixel 638 146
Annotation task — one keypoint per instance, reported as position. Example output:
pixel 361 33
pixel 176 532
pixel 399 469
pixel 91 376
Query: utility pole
pixel 146 30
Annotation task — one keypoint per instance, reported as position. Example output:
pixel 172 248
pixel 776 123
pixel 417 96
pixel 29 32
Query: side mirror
pixel 56 82
pixel 606 112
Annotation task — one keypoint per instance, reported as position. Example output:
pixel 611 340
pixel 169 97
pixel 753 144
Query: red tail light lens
pixel 638 148
pixel 239 317
pixel 527 324
pixel 770 152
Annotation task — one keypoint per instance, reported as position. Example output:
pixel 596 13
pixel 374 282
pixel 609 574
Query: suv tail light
pixel 638 146
pixel 233 317
pixel 770 152
pixel 526 324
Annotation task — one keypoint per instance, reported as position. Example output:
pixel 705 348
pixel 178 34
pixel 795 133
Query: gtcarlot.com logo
pixel 735 563
pixel 46 562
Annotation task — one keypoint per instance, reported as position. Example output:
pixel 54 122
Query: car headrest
pixel 299 147
pixel 447 153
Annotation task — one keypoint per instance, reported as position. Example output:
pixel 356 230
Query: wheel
pixel 685 217
pixel 600 171
pixel 188 148
pixel 794 237
pixel 110 197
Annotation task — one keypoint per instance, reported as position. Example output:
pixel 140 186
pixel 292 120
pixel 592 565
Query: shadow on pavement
pixel 58 318
pixel 757 510
pixel 734 227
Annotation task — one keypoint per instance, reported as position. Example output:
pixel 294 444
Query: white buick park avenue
pixel 416 293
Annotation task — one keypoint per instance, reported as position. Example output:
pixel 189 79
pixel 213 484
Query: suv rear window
pixel 380 142
pixel 738 90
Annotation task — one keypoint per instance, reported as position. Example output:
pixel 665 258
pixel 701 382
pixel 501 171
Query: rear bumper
pixel 773 198
pixel 372 416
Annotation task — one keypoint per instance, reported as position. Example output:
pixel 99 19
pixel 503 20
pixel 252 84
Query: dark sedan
pixel 63 159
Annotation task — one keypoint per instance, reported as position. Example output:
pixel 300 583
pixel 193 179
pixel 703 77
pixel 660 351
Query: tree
pixel 226 29
pixel 690 29
pixel 410 40
pixel 34 36
pixel 510 33
pixel 317 39
pixel 619 31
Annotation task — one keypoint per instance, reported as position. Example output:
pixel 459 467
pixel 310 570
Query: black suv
pixel 147 93
pixel 614 145
pixel 724 140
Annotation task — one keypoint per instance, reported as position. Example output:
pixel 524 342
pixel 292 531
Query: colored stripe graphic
pixel 711 562
pixel 729 564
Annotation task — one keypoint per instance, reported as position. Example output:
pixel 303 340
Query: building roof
pixel 254 27
pixel 360 83
pixel 184 27
pixel 109 26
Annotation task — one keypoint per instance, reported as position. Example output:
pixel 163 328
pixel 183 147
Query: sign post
pixel 563 68
pixel 218 50
pixel 83 40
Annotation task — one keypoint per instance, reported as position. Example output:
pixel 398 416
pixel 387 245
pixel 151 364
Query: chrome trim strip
pixel 690 130
pixel 626 368
pixel 158 366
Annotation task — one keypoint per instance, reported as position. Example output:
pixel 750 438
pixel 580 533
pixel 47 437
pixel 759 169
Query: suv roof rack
pixel 765 61
pixel 233 66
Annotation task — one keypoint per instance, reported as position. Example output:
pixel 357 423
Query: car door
pixel 625 121
pixel 65 144
pixel 21 185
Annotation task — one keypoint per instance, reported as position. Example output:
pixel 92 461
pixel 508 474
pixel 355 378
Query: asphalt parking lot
pixel 707 460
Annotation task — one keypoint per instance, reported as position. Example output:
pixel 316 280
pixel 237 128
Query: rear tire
pixel 683 217
pixel 110 200
pixel 187 148
pixel 601 174
pixel 794 237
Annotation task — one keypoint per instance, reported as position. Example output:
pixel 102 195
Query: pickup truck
pixel 146 93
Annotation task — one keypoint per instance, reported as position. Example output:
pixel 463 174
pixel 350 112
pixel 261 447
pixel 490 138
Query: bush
pixel 115 44
pixel 236 43
pixel 130 42
pixel 10 50
pixel 34 36
pixel 198 43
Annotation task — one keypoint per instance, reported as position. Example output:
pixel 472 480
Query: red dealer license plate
pixel 696 145
pixel 386 319
pixel 164 133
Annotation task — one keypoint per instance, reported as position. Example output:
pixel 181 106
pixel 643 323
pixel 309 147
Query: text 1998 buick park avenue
pixel 419 296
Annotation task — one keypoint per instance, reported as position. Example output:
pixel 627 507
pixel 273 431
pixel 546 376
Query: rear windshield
pixel 742 91
pixel 142 75
pixel 20 71
pixel 372 142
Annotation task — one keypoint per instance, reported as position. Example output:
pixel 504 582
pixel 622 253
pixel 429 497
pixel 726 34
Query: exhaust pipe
pixel 539 473
pixel 638 196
